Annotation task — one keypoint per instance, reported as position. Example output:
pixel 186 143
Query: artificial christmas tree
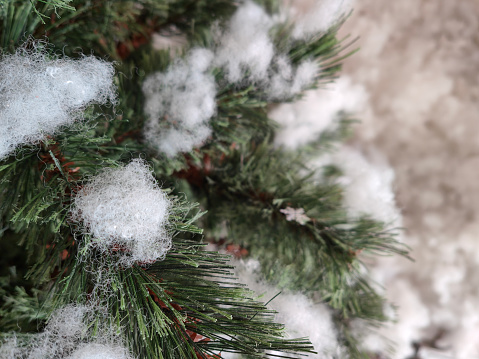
pixel 122 191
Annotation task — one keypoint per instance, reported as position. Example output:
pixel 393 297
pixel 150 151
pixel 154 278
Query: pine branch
pixel 249 191
pixel 204 303
pixel 192 306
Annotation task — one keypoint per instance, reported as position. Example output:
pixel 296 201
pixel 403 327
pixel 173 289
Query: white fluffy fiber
pixel 179 104
pixel 319 17
pixel 304 120
pixel 67 336
pixel 368 185
pixel 9 349
pixel 301 317
pixel 38 94
pixel 247 54
pixel 100 351
pixel 65 328
pixel 125 208
pixel 367 181
pixel 68 321
pixel 246 45
pixel 285 81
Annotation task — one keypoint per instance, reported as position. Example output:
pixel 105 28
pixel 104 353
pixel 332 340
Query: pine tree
pixel 128 173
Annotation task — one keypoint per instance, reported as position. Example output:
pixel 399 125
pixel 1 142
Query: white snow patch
pixel 319 18
pixel 304 120
pixel 40 93
pixel 301 317
pixel 246 45
pixel 124 208
pixel 9 348
pixel 368 185
pixel 419 62
pixel 100 351
pixel 67 335
pixel 179 104
pixel 247 54
pixel 286 81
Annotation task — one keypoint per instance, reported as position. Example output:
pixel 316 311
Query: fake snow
pixel 67 335
pixel 368 184
pixel 319 17
pixel 40 93
pixel 247 54
pixel 179 104
pixel 246 45
pixel 304 120
pixel 301 317
pixel 419 63
pixel 124 208
pixel 100 351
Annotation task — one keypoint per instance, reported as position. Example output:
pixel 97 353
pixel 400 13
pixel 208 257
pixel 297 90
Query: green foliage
pixel 56 5
pixel 20 18
pixel 22 310
pixel 194 291
pixel 167 307
pixel 248 191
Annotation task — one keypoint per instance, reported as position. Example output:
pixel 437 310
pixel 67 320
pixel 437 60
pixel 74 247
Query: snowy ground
pixel 419 66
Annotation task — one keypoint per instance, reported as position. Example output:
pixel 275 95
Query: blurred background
pixel 413 85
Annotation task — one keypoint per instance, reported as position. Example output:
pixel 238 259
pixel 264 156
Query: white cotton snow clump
pixel 285 81
pixel 320 17
pixel 368 185
pixel 38 93
pixel 68 335
pixel 301 317
pixel 247 53
pixel 179 104
pixel 246 45
pixel 61 335
pixel 304 120
pixel 100 351
pixel 67 321
pixel 123 208
pixel 9 349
